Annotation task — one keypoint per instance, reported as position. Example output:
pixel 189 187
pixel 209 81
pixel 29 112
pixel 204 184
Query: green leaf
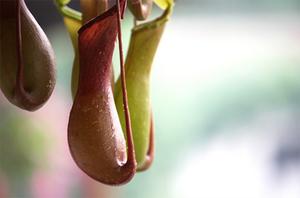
pixel 73 25
pixel 73 22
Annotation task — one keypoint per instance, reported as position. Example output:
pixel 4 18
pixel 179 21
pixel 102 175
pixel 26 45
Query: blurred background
pixel 226 99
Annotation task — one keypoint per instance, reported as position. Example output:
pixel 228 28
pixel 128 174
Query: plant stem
pixel 130 145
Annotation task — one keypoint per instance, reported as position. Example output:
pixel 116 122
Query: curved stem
pixel 68 12
pixel 71 13
pixel 130 149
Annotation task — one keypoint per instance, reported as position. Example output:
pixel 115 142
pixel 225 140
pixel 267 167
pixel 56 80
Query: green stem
pixel 68 12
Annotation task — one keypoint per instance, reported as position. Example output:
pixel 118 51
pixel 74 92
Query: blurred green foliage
pixel 22 149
